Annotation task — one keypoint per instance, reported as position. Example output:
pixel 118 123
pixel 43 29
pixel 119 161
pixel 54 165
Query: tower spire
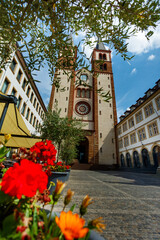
pixel 100 45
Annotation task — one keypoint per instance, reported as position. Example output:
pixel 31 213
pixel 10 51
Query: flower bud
pixel 97 224
pixel 85 203
pixel 7 137
pixel 68 197
pixel 59 188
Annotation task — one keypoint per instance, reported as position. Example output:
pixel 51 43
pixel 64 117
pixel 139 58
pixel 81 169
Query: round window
pixel 82 108
pixel 83 77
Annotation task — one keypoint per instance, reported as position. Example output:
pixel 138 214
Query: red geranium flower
pixel 24 179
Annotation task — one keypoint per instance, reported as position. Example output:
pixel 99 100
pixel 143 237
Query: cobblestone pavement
pixel 128 202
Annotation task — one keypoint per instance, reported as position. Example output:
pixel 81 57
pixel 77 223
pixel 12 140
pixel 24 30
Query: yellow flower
pixel 7 137
pixel 71 225
pixel 85 203
pixel 98 224
pixel 68 197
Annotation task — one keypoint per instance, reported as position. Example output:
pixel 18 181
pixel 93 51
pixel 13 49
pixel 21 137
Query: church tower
pixel 84 103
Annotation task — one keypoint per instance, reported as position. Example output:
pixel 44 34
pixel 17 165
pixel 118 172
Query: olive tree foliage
pixel 66 133
pixel 41 27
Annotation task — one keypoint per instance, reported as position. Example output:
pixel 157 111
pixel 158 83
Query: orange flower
pixel 85 203
pixel 71 225
pixel 98 224
pixel 68 197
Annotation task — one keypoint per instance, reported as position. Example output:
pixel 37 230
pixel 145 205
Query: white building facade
pixel 16 80
pixel 139 132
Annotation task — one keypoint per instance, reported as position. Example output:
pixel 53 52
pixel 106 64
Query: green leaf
pixel 73 207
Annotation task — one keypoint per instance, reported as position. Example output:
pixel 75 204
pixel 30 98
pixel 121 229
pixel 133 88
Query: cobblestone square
pixel 128 202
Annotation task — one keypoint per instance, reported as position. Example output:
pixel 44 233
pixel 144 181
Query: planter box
pixel 62 176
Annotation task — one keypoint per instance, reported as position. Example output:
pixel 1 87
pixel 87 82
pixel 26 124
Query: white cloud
pixel 139 44
pixel 120 111
pixel 134 71
pixel 151 57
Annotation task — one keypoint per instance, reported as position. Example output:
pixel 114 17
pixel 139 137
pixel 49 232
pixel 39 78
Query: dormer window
pixel 84 77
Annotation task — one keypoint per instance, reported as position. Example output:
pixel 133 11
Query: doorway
pixel 83 151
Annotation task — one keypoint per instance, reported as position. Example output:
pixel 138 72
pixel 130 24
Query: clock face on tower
pixel 82 108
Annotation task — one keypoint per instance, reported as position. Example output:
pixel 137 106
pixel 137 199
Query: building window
pixel 133 138
pixel 31 117
pixel 158 103
pixel 57 90
pixel 31 98
pixel 110 105
pixel 27 114
pixel 34 120
pixel 139 117
pixel 109 86
pixel 100 56
pixel 100 135
pixel 125 127
pixel 84 77
pixel 99 101
pixel 101 149
pixel 5 86
pixel 99 83
pixel 19 102
pixel 99 112
pixel 65 109
pixel 111 116
pixel 153 129
pixel 37 125
pixel 104 56
pixel 24 84
pixel 78 92
pixel 112 140
pixel 28 91
pixel 66 98
pixel 37 107
pixel 19 75
pixel 14 92
pixel 67 88
pixel 131 122
pixel 120 143
pixel 148 110
pixel 83 93
pixel 126 141
pixel 34 104
pixel 105 66
pixel 119 130
pixel 23 108
pixel 113 155
pixel 141 134
pixel 39 110
pixel 13 65
pixel 87 93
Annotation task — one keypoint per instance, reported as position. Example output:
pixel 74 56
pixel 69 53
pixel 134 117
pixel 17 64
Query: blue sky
pixel 132 79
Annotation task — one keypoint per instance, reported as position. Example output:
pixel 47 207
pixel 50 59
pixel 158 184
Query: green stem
pixel 51 213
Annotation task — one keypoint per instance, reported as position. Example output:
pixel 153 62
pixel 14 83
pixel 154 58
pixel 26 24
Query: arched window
pixel 100 55
pixel 122 161
pixel 87 93
pixel 156 155
pixel 128 160
pixel 83 93
pixel 104 56
pixel 145 158
pixel 101 67
pixel 78 92
pixel 105 66
pixel 136 159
